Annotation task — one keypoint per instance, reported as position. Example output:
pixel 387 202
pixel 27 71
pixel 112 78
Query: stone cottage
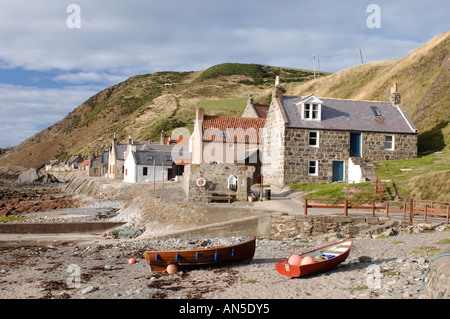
pixel 322 140
pixel 226 140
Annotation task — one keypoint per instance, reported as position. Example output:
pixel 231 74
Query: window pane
pixel 388 142
pixel 313 139
pixel 312 167
pixel 315 111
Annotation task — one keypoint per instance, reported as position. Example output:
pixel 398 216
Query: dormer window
pixel 310 108
pixel 311 111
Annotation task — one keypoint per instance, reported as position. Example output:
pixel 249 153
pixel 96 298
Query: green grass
pixel 444 241
pixel 426 177
pixel 337 190
pixel 225 107
pixel 11 219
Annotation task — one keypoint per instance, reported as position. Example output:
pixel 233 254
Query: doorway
pixel 338 171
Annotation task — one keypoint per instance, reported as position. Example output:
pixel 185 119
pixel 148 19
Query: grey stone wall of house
pixel 405 146
pixel 273 150
pixel 216 177
pixel 333 146
pixel 291 166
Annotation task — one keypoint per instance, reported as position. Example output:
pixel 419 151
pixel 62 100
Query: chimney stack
pixel 163 136
pixel 130 140
pixel 277 90
pixel 199 114
pixel 395 97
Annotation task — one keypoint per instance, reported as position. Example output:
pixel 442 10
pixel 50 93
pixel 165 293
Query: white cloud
pixel 27 110
pixel 89 77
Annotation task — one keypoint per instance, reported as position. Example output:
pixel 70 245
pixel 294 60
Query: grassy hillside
pixel 145 104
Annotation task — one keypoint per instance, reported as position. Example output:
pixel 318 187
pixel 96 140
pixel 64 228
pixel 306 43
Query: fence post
pixel 373 208
pixel 404 210
pixel 387 208
pixel 346 207
pixel 411 215
pixel 448 212
pixel 425 213
pixel 305 207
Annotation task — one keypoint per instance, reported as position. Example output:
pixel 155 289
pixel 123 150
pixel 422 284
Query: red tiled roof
pixel 86 162
pixel 238 129
pixel 262 110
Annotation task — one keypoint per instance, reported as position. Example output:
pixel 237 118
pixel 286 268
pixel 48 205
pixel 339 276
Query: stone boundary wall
pixel 216 177
pixel 290 226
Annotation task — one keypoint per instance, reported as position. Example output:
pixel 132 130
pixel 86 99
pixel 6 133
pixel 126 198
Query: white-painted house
pixel 144 161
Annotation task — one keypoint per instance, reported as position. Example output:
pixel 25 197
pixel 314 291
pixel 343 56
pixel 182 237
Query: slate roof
pixel 350 115
pixel 245 129
pixel 162 154
pixel 120 149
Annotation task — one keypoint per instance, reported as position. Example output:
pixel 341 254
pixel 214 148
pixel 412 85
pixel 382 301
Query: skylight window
pixel 375 111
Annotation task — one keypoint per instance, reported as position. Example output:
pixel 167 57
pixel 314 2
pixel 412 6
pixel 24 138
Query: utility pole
pixel 314 65
pixel 360 54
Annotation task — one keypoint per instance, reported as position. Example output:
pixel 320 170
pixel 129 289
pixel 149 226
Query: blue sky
pixel 48 68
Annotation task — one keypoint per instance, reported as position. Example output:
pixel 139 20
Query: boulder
pixel 34 176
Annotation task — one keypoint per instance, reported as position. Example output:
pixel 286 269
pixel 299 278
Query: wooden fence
pixel 427 208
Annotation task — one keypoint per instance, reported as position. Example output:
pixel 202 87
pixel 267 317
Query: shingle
pixel 350 115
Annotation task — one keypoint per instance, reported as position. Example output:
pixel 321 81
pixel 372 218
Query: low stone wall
pixel 294 226
pixel 216 180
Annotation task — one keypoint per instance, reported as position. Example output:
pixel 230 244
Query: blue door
pixel 355 144
pixel 338 171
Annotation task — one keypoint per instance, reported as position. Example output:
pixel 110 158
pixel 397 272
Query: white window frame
pixel 316 166
pixel 317 139
pixel 312 108
pixel 392 142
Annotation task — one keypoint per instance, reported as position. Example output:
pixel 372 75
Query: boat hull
pixel 201 257
pixel 340 250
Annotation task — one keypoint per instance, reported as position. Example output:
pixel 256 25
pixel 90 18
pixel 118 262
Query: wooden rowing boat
pixel 159 261
pixel 325 258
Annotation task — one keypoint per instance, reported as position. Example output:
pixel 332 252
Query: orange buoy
pixel 171 269
pixel 295 260
pixel 307 260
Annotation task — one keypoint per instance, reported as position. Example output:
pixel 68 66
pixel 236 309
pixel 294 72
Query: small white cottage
pixel 148 163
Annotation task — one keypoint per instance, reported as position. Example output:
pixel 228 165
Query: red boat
pixel 325 258
pixel 160 261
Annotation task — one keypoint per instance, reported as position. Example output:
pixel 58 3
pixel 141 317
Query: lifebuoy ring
pixel 201 182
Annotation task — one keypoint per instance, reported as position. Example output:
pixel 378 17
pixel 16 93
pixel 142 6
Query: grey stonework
pixel 216 181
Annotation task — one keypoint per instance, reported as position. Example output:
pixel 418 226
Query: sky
pixel 55 54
